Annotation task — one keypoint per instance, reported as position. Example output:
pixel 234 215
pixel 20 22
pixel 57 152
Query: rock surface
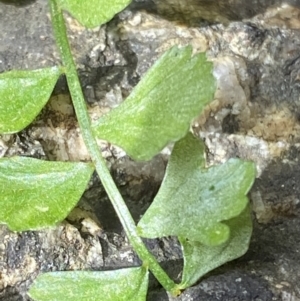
pixel 255 115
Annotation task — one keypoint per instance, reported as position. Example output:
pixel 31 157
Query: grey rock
pixel 195 12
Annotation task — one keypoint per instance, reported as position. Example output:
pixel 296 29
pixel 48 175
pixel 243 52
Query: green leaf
pixel 199 259
pixel 129 284
pixel 23 94
pixel 36 194
pixel 162 105
pixel 193 201
pixel 94 12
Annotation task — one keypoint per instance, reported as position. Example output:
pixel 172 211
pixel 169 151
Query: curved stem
pixel 91 144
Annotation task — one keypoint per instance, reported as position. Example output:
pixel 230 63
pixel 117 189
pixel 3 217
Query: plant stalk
pixel 119 205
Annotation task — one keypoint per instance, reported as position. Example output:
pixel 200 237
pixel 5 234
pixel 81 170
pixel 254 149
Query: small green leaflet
pixel 162 105
pixel 199 259
pixel 129 284
pixel 193 201
pixel 94 12
pixel 35 194
pixel 23 94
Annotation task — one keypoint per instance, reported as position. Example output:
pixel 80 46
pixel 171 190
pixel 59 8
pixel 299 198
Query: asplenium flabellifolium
pixel 206 208
pixel 23 94
pixel 123 285
pixel 36 194
pixel 160 108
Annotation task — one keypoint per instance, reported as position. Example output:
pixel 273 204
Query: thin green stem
pixel 120 207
